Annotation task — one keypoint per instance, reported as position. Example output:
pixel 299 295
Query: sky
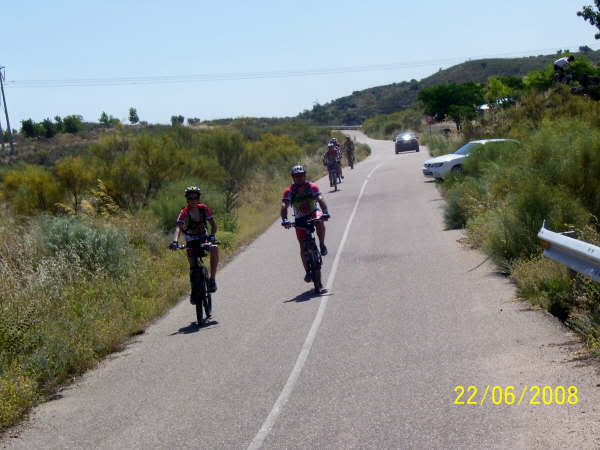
pixel 252 58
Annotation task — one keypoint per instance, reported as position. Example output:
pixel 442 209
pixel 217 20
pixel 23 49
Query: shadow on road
pixel 305 296
pixel 194 328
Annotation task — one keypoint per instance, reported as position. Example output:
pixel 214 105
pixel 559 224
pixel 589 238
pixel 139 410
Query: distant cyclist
pixel 305 199
pixel 331 160
pixel 561 66
pixel 192 222
pixel 348 148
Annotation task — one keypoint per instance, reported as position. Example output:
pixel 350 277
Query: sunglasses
pixel 193 197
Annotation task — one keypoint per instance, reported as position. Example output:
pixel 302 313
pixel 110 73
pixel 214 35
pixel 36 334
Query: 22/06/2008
pixel 540 395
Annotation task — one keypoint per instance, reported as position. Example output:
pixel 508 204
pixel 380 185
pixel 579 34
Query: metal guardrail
pixel 342 127
pixel 580 256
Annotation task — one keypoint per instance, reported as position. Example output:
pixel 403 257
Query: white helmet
pixel 298 169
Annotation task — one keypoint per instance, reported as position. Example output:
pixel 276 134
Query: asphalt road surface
pixel 410 315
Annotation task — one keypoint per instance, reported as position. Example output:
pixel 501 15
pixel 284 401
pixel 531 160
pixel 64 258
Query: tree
pixel 177 120
pixel 157 160
pixel 104 120
pixel 75 175
pixel 49 129
pixel 29 128
pixel 235 157
pixel 457 101
pixel 592 15
pixel 59 124
pixel 73 123
pixel 133 116
pixel 31 189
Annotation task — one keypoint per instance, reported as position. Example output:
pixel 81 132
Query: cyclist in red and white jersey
pixel 192 221
pixel 305 199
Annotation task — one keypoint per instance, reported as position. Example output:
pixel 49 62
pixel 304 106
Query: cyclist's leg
pixel 195 274
pixel 320 228
pixel 302 234
pixel 303 256
pixel 214 261
pixel 192 254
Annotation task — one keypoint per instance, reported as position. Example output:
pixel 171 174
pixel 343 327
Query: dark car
pixel 406 141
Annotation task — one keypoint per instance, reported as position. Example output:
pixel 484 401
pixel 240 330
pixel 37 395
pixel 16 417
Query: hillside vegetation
pixel 362 105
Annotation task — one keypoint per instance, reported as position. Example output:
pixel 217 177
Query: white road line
pixel 266 427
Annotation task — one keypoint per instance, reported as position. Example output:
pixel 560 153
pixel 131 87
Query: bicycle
pixel 350 157
pixel 199 296
pixel 334 177
pixel 312 253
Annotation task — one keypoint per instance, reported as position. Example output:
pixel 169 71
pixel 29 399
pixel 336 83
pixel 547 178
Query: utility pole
pixel 10 136
pixel 1 137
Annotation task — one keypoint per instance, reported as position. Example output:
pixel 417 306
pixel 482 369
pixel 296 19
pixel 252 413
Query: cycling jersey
pixel 302 198
pixel 331 156
pixel 192 229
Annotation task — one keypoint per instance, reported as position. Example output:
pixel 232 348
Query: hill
pixel 361 105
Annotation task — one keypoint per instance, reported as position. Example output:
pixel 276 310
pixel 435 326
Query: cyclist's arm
pixel 322 203
pixel 213 226
pixel 177 232
pixel 284 209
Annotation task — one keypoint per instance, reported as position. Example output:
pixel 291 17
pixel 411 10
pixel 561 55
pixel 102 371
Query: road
pixel 410 314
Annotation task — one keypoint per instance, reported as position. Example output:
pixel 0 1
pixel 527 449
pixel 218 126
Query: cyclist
pixel 334 141
pixel 561 66
pixel 192 223
pixel 331 159
pixel 304 197
pixel 348 147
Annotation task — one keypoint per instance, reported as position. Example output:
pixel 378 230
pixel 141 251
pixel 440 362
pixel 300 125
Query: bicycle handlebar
pixel 308 222
pixel 203 245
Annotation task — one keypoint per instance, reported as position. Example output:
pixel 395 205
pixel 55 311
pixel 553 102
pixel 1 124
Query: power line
pixel 238 76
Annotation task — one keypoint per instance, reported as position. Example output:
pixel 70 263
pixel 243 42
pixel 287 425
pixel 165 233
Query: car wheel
pixel 417 149
pixel 457 170
pixel 396 152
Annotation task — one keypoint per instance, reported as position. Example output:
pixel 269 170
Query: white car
pixel 441 166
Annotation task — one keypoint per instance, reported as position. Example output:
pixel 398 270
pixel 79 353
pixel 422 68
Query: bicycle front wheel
pixel 199 314
pixel 316 276
pixel 208 305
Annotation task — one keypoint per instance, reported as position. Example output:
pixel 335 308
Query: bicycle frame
pixel 199 296
pixel 312 253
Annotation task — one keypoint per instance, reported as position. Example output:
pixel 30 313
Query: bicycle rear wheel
pixel 200 295
pixel 199 314
pixel 208 305
pixel 315 267
pixel 316 276
pixel 334 175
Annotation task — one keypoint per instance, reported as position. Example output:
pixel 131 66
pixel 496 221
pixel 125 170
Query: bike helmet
pixel 297 170
pixel 331 145
pixel 334 140
pixel 191 190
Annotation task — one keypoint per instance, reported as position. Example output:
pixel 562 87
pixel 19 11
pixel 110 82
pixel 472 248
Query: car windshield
pixel 405 136
pixel 467 148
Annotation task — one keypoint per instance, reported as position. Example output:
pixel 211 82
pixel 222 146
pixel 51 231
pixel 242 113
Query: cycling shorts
pixel 193 247
pixel 302 227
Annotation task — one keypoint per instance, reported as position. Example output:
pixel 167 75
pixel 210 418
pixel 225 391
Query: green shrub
pixel 96 248
pixel 73 123
pixel 169 202
pixel 31 189
pixel 439 145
